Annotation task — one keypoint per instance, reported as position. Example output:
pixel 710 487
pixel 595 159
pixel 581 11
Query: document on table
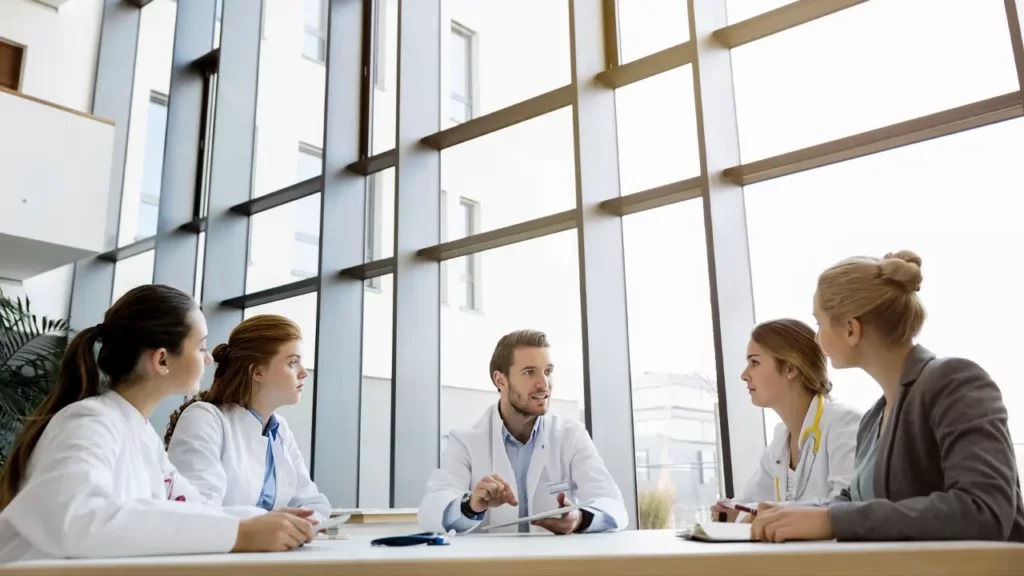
pixel 717 532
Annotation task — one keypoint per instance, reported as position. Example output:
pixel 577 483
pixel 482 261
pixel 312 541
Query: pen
pixel 746 509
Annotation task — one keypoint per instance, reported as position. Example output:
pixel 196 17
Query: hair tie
pixel 99 329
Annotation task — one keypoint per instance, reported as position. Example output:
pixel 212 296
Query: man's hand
pixel 566 523
pixel 792 523
pixel 490 492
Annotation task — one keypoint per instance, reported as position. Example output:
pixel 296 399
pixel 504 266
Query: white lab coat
pixel 99 484
pixel 222 451
pixel 825 467
pixel 563 452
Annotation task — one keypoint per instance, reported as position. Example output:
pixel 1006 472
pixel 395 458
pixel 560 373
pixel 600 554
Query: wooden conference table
pixel 630 552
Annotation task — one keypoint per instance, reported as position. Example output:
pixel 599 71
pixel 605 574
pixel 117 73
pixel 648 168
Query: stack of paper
pixel 718 532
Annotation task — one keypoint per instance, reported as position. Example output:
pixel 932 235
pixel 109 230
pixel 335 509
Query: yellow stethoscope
pixel 813 430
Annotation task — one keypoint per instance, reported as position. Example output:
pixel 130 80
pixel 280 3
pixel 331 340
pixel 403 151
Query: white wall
pixel 60 66
pixel 62 47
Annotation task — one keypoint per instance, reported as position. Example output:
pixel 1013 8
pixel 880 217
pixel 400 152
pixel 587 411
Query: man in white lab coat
pixel 518 460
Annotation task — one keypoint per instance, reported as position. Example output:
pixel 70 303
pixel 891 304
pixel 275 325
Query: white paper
pixel 718 532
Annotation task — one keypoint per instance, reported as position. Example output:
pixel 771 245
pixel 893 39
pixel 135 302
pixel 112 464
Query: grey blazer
pixel 945 467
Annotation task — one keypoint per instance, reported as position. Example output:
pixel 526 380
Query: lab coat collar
pixel 130 413
pixel 508 437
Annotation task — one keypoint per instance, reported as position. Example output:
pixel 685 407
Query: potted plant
pixel 31 348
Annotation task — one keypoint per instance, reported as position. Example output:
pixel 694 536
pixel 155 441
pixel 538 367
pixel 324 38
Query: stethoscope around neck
pixel 814 430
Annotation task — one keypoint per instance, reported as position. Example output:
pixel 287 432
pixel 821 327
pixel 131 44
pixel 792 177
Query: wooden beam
pixel 653 198
pixel 651 65
pixel 975 115
pixel 783 18
pixel 501 237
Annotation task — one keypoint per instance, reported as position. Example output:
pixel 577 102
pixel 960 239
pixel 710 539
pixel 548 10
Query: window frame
pixel 472 87
pixel 470 210
pixel 318 32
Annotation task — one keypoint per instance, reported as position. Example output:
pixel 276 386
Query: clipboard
pixel 534 517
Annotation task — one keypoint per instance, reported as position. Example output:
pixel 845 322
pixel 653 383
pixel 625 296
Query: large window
pixel 375 415
pixel 468 269
pixel 913 198
pixel 651 26
pixel 295 225
pixel 147 128
pixel 131 273
pixel 675 398
pixel 789 96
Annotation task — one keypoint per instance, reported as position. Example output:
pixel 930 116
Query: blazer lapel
pixel 913 366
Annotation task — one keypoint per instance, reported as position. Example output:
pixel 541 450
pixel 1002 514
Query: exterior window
pixel 153 166
pixel 469 266
pixel 463 72
pixel 314 44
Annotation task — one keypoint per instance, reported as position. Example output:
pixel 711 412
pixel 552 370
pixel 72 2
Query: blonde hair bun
pixel 903 267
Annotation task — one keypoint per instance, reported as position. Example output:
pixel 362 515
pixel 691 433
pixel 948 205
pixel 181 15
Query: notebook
pixel 717 532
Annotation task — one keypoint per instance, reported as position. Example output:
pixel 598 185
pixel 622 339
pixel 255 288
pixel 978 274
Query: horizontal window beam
pixel 778 20
pixel 975 115
pixel 279 198
pixel 653 198
pixel 209 62
pixel 500 119
pixel 501 237
pixel 133 249
pixel 277 293
pixel 375 163
pixel 648 66
pixel 196 225
pixel 369 270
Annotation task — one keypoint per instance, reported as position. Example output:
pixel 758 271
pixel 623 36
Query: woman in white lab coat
pixel 810 458
pixel 230 442
pixel 88 476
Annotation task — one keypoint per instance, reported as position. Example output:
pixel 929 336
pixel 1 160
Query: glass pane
pixel 148 126
pixel 461 42
pixel 740 10
pixel 543 294
pixel 657 130
pixel 520 173
pixel 375 413
pixel 284 245
pixel 385 75
pixel 148 212
pixel 218 20
pixel 302 310
pixel 290 101
pixel 789 96
pixel 874 205
pixel 651 26
pixel 132 273
pixel 310 162
pixel 505 68
pixel 197 292
pixel 675 403
pixel 380 215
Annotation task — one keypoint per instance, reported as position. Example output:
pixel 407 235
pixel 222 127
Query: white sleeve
pixel 841 445
pixel 307 495
pixel 446 484
pixel 594 484
pixel 181 487
pixel 69 507
pixel 195 450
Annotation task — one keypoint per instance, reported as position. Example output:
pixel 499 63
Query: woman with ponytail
pixel 230 442
pixel 88 476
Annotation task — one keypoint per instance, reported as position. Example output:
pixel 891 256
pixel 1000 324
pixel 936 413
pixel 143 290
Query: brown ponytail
pixel 146 318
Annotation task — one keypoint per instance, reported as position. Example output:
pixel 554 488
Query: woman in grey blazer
pixel 934 457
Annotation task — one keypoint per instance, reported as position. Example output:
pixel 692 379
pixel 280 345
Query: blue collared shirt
pixel 519 456
pixel 269 492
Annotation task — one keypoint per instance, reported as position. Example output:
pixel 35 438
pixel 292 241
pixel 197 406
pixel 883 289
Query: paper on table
pixel 538 516
pixel 718 532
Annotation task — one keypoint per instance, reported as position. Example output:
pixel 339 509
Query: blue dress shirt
pixel 269 492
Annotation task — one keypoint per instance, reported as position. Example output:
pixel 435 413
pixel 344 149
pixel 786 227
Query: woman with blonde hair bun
pixel 934 456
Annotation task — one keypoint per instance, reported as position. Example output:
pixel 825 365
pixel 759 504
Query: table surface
pixel 632 552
